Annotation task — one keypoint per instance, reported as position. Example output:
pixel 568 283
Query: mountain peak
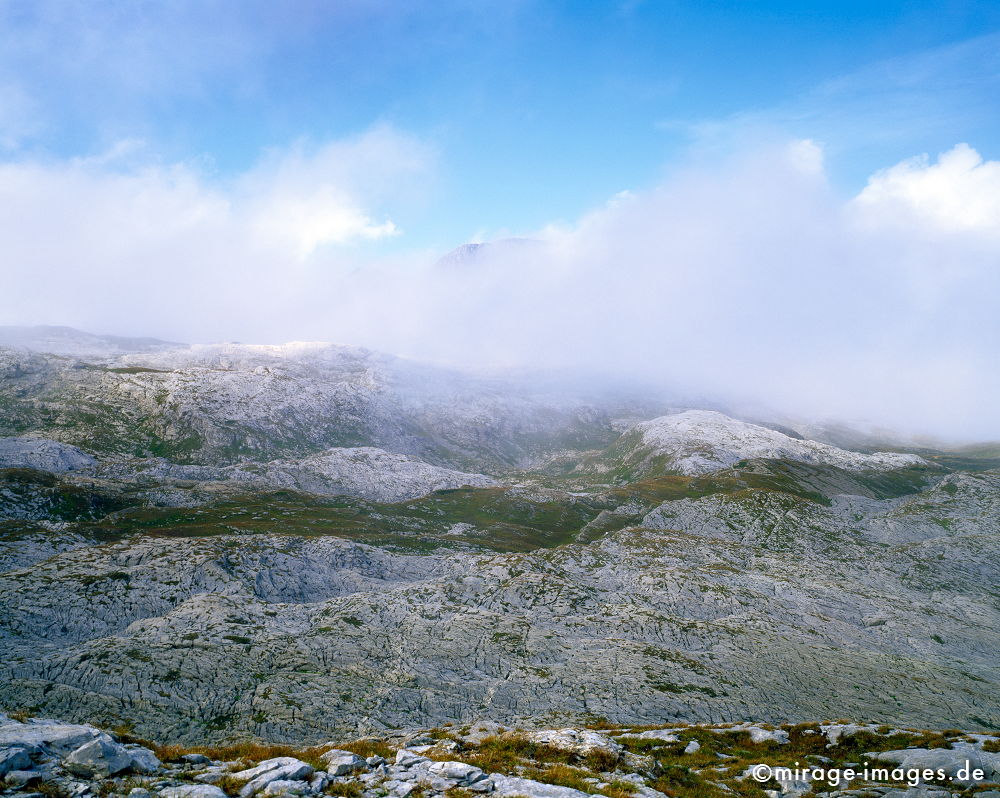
pixel 478 252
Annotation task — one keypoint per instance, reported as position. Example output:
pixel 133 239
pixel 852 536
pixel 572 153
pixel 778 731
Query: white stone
pixel 287 787
pixel 759 735
pixel 99 758
pixel 458 772
pixel 512 785
pixel 399 789
pixel 192 791
pixel 582 741
pixel 340 763
pixel 406 758
pixel 280 768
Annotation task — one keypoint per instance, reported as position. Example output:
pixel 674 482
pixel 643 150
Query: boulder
pixel 418 739
pixel 582 741
pixel 692 747
pixel 957 762
pixel 283 768
pixel 287 787
pixel 340 763
pixel 195 759
pixel 793 788
pixel 99 758
pixel 512 785
pixel 759 735
pixel 192 791
pixel 14 757
pixel 15 779
pixel 48 736
pixel 835 732
pixel 458 772
pixel 407 759
pixel 399 789
pixel 211 775
pixel 143 760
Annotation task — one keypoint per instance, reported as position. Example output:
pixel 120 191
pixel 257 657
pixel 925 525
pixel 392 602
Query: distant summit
pixel 472 254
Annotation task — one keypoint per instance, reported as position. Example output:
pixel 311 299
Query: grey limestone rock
pixel 458 772
pixel 192 791
pixel 14 757
pixel 340 763
pixel 287 787
pixel 143 760
pixel 49 736
pixel 513 786
pixel 282 768
pixel 42 454
pixel 582 741
pixel 958 763
pixel 407 759
pixel 100 758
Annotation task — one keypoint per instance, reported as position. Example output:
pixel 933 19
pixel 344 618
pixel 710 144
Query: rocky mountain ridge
pixel 284 543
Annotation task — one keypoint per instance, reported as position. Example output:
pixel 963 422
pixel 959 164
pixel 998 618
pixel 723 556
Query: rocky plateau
pixel 281 545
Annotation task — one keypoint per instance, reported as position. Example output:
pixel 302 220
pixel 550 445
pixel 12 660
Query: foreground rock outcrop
pixel 49 758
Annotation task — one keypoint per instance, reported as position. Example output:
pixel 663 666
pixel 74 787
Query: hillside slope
pixel 230 541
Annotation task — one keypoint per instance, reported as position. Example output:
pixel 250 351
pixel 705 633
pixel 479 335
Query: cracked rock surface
pixel 307 541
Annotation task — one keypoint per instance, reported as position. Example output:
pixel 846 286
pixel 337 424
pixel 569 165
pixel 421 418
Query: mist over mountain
pixel 750 282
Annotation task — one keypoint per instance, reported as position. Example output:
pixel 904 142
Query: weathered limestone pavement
pixel 306 541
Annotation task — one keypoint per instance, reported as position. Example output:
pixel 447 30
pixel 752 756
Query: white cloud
pixel 326 216
pixel 749 279
pixel 959 193
pixel 119 239
pixel 806 156
pixel 310 197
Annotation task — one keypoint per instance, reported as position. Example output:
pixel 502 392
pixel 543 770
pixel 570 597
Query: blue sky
pixel 532 112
